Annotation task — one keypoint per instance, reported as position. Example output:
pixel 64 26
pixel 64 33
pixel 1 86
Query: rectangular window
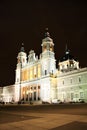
pixel 63 82
pixel 81 95
pixel 35 71
pixel 71 81
pixel 79 79
pixel 39 71
pixel 35 76
pixel 72 96
pixel 17 79
pixel 45 72
pixel 31 73
pixel 76 95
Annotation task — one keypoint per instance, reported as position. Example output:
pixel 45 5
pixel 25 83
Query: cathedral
pixel 37 79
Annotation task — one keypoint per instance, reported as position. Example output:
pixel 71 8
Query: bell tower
pixel 21 63
pixel 22 57
pixel 47 42
pixel 48 55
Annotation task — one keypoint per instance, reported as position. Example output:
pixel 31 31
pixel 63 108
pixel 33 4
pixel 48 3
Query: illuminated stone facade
pixel 71 80
pixel 38 79
pixel 35 77
pixel 72 86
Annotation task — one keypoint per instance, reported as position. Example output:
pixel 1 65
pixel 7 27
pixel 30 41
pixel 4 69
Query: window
pixel 34 95
pixel 34 87
pixel 39 71
pixel 81 95
pixel 17 79
pixel 63 82
pixel 35 76
pixel 79 79
pixel 62 66
pixel 45 72
pixel 72 96
pixel 44 47
pixel 76 95
pixel 51 48
pixel 38 87
pixel 23 60
pixel 71 65
pixel 71 81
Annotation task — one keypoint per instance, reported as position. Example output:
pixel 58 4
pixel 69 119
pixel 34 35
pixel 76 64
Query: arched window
pixel 45 72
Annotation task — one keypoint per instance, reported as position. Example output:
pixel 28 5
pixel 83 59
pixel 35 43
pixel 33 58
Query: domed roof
pixel 21 54
pixel 67 56
pixel 47 39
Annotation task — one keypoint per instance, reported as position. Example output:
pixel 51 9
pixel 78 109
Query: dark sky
pixel 25 21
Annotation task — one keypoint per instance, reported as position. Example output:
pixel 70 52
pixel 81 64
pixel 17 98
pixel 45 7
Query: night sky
pixel 25 21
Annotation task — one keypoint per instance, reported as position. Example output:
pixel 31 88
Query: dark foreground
pixel 43 117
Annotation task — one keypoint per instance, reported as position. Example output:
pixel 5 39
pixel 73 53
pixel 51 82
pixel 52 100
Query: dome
pixel 67 56
pixel 47 39
pixel 21 54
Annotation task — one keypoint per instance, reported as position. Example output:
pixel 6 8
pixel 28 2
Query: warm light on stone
pixel 38 79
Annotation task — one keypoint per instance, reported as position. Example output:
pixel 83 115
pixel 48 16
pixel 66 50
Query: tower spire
pixel 66 49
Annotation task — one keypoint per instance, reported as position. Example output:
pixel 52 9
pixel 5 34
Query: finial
pixel 22 47
pixel 47 33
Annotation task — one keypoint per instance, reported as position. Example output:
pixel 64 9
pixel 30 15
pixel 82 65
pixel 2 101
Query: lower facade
pixel 66 87
pixel 73 94
pixel 41 90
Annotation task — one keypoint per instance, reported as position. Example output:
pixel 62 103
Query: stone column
pixel 37 92
pixel 25 94
pixel 32 93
